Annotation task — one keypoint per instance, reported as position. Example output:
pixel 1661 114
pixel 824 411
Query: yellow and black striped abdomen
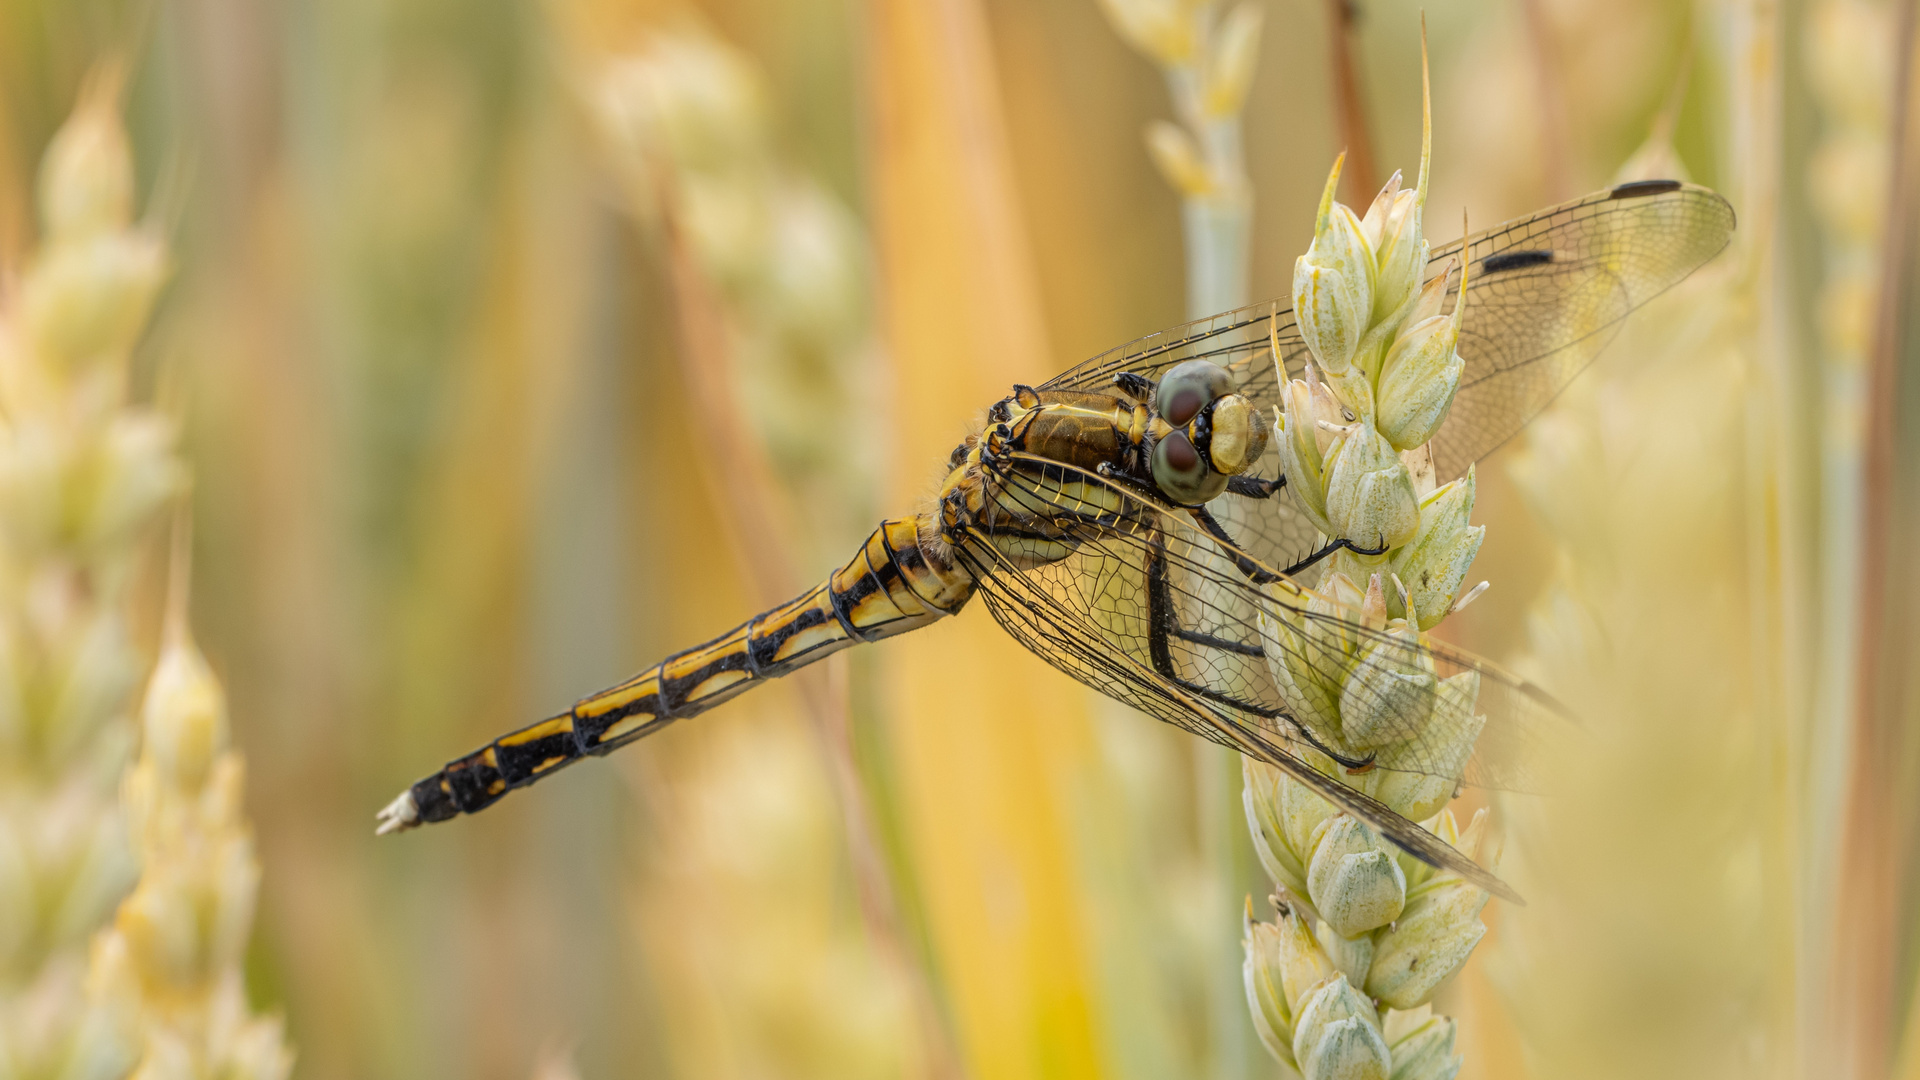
pixel 888 588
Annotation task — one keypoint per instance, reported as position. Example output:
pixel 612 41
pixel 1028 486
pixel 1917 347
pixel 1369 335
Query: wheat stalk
pixel 1340 982
pixel 1208 59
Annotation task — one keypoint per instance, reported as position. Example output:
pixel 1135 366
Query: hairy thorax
pixel 1032 434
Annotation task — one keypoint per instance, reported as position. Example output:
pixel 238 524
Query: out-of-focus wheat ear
pixel 1208 58
pixel 86 473
pixel 171 962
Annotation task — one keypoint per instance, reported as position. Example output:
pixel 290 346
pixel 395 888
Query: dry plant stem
pixel 1551 101
pixel 758 512
pixel 759 518
pixel 1851 58
pixel 1360 179
pixel 767 273
pixel 1877 840
pixel 972 88
pixel 1773 499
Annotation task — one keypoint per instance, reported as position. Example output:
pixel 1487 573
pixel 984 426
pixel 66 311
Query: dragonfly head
pixel 1238 436
pixel 1204 432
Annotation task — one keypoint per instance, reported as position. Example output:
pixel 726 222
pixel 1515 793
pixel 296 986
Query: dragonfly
pixel 1127 521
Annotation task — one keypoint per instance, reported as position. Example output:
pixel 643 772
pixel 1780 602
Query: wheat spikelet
pixel 170 965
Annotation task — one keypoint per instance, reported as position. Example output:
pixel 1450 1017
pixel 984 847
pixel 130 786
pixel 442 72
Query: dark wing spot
pixel 1642 188
pixel 1514 260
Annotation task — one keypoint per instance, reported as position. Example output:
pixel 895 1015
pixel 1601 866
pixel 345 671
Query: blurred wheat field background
pixel 516 343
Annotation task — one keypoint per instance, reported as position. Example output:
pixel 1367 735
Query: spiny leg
pixel 1253 487
pixel 1252 569
pixel 1137 387
pixel 1260 489
pixel 1245 564
pixel 1330 549
pixel 1163 623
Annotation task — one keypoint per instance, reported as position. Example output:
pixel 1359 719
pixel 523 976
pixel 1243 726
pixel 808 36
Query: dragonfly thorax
pixel 1182 438
pixel 1008 481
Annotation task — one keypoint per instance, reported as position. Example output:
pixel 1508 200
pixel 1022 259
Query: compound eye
pixel 1181 474
pixel 1184 404
pixel 1187 387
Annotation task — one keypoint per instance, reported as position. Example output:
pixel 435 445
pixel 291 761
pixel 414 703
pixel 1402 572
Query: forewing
pixel 1545 295
pixel 1092 615
pixel 1236 340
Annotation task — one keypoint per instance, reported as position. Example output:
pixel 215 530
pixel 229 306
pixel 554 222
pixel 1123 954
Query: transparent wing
pixel 1153 611
pixel 1236 340
pixel 1547 292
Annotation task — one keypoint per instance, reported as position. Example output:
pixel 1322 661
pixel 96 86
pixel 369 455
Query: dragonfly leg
pixel 1246 565
pixel 1137 387
pixel 1330 549
pixel 1253 487
pixel 1163 624
pixel 1354 766
pixel 1211 642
